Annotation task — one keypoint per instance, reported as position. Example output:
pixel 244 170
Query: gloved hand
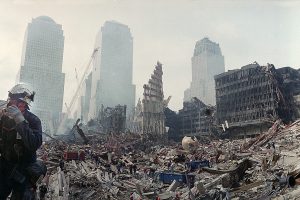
pixel 2 112
pixel 2 107
pixel 13 112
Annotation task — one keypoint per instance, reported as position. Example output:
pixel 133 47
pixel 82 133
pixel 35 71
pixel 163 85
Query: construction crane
pixel 76 75
pixel 76 94
pixel 67 107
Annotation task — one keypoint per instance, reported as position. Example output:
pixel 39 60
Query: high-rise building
pixel 207 62
pixel 112 69
pixel 82 105
pixel 87 97
pixel 41 67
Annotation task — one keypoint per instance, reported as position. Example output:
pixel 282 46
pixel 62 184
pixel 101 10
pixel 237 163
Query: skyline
pixel 262 31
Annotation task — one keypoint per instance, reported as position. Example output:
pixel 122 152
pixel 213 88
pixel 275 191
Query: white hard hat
pixel 22 92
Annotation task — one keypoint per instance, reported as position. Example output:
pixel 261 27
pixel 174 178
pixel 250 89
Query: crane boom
pixel 82 79
pixel 77 91
pixel 76 76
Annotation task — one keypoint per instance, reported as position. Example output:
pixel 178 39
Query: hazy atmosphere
pixel 247 31
pixel 149 99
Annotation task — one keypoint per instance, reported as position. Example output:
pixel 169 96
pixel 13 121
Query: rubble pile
pixel 265 167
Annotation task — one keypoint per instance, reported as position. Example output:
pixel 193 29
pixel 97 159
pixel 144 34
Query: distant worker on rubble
pixel 62 164
pixel 20 137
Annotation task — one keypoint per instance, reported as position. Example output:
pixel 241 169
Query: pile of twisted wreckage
pixel 265 167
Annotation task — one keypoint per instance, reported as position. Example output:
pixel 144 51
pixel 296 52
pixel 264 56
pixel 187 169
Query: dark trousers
pixel 20 191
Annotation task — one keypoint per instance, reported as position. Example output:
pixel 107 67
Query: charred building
pixel 251 98
pixel 113 119
pixel 291 89
pixel 194 118
pixel 172 123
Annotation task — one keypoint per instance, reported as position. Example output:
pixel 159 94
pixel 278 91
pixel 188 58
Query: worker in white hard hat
pixel 20 137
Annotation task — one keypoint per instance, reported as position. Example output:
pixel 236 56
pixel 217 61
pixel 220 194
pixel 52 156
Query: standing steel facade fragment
pixel 149 117
pixel 153 103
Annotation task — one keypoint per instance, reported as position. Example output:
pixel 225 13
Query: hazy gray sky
pixel 165 30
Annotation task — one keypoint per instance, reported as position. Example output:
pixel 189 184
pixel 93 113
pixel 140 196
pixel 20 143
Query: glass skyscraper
pixel 207 62
pixel 41 67
pixel 112 69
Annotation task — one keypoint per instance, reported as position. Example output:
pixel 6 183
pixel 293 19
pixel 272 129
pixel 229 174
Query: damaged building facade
pixel 172 123
pixel 113 119
pixel 291 89
pixel 149 117
pixel 194 119
pixel 250 99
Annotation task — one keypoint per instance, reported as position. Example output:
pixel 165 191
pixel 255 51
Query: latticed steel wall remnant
pixel 149 117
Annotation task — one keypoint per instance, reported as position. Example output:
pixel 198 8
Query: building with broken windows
pixel 291 88
pixel 149 117
pixel 207 61
pixel 194 119
pixel 250 99
pixel 113 119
